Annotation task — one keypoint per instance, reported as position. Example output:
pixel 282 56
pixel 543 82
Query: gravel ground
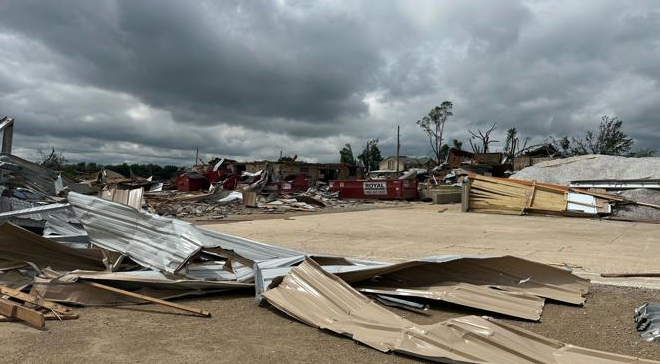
pixel 242 332
pixel 636 212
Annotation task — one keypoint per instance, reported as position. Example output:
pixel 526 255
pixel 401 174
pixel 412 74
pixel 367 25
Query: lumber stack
pixel 516 197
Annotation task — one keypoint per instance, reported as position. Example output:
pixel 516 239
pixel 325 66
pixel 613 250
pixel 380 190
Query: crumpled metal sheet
pixel 63 287
pixel 647 321
pixel 158 242
pixel 35 212
pixel 323 300
pixel 507 273
pixel 56 225
pixel 513 304
pixel 150 240
pixel 20 245
pixel 505 285
pixel 22 173
pixel 132 198
pixel 251 250
pixel 25 213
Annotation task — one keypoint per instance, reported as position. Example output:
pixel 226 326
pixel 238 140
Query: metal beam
pixel 7 128
pixel 618 184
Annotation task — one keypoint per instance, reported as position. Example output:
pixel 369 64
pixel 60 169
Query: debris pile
pixel 517 197
pixel 319 299
pixel 62 245
pixel 647 321
pixel 219 204
pixel 591 167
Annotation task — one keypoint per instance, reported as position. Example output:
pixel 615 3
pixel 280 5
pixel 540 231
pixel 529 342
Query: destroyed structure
pixel 64 244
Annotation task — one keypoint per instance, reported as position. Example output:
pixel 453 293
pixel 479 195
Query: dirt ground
pixel 242 332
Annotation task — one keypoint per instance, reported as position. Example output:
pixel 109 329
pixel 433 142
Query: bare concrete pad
pixel 589 245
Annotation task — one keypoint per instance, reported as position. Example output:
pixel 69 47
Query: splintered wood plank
pixel 35 300
pixel 147 298
pixel 22 313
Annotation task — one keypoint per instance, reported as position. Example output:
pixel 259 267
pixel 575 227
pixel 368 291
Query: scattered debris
pixel 647 321
pixel 114 240
pixel 517 197
pixel 320 299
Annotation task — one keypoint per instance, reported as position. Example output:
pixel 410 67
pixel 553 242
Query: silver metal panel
pixel 647 321
pixel 34 215
pixel 151 240
pixel 248 249
pixel 157 242
pixel 617 184
pixel 132 198
pixel 33 211
pixel 21 172
pixel 57 225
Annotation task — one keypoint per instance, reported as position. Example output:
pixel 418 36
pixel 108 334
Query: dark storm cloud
pixel 128 80
pixel 215 59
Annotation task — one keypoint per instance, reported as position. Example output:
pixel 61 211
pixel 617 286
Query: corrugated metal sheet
pixel 322 300
pixel 157 242
pixel 506 273
pixel 246 248
pixel 151 240
pixel 18 211
pixel 504 285
pixel 485 298
pixel 132 198
pixel 56 225
pixel 153 278
pixel 22 173
pixel 20 245
pixel 12 207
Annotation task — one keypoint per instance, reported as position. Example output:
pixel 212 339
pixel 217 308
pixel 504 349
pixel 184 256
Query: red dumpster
pixel 191 181
pixel 295 183
pixel 381 189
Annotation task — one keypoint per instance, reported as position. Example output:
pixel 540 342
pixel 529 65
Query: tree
pixel 610 140
pixel 563 145
pixel 484 138
pixel 286 158
pixel 434 126
pixel 642 153
pixel 52 160
pixel 457 144
pixel 370 156
pixel 346 155
pixel 444 151
pixel 512 144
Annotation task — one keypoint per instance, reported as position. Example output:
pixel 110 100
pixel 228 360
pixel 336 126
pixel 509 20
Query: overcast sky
pixel 150 81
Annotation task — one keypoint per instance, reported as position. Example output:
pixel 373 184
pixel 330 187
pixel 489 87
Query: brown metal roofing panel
pixel 485 298
pixel 506 273
pixel 20 245
pixel 323 300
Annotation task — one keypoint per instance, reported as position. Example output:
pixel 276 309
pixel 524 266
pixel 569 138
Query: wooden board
pixel 35 300
pixel 14 310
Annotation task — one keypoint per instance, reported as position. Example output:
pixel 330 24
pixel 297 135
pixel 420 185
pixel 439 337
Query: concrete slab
pixel 588 245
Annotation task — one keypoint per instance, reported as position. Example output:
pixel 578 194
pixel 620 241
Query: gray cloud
pixel 152 80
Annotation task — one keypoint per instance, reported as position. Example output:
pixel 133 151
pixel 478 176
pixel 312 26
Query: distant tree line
pixel 158 172
pixel 609 139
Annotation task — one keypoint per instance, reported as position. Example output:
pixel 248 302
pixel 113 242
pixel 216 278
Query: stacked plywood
pixel 512 196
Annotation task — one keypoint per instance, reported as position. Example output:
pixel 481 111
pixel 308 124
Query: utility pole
pixel 398 145
pixel 196 156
